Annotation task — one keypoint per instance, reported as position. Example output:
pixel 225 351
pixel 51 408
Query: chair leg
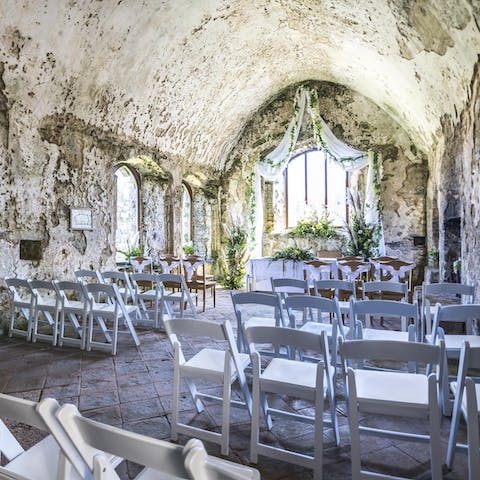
pixel 255 432
pixel 227 393
pixel 318 447
pixel 176 397
pixel 452 438
pixel 354 427
pixel 434 420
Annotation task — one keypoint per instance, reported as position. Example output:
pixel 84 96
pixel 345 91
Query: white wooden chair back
pixel 406 313
pixel 251 306
pixel 446 292
pixel 22 303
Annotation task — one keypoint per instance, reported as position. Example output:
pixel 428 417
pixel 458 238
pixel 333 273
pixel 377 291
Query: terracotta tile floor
pixel 133 390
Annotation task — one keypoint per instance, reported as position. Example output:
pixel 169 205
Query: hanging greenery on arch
pixel 273 164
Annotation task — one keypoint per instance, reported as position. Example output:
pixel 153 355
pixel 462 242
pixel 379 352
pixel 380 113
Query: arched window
pixel 315 183
pixel 126 235
pixel 186 214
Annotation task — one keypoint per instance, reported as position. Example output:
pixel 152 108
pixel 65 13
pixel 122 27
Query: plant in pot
pixel 235 258
pixel 130 251
pixel 363 238
pixel 296 254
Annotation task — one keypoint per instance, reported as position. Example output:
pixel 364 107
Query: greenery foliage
pixel 235 258
pixel 188 249
pixel 434 255
pixel 363 238
pixel 293 253
pixel 131 251
pixel 315 228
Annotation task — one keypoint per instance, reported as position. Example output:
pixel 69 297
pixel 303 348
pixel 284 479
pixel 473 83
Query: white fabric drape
pixel 276 161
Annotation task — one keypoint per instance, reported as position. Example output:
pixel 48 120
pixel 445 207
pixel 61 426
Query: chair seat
pixel 177 297
pixel 211 363
pixel 376 334
pixel 74 306
pixel 317 327
pixel 47 304
pixel 290 377
pixel 260 322
pixel 399 390
pixel 40 461
pixel 455 342
pixel 148 295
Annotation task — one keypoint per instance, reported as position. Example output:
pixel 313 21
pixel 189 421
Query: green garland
pixel 313 110
pixel 377 167
pixel 252 203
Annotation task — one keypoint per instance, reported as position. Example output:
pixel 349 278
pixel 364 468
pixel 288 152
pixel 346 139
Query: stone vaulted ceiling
pixel 184 77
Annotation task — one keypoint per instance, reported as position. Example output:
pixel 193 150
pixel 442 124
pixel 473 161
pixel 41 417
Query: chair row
pixel 193 268
pixel 427 297
pixel 70 312
pixel 354 268
pixel 81 448
pixel 152 293
pixel 297 363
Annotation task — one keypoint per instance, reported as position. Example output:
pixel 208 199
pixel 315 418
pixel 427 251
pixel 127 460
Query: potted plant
pixel 235 258
pixel 363 238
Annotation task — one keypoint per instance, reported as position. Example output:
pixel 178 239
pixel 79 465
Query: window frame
pixel 305 153
pixel 138 182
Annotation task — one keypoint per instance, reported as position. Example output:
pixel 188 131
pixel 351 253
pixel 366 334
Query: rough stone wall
pixel 154 220
pixel 356 120
pixel 468 147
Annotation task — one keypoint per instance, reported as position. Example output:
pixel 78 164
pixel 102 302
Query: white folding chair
pixel 405 313
pixel 433 293
pixel 253 309
pixel 327 313
pixel 122 280
pixel 469 360
pixel 310 381
pixel 180 295
pixel 465 314
pixel 149 296
pixel 44 460
pixel 320 270
pixel 22 305
pixel 220 366
pixel 393 393
pixel 161 460
pixel 46 311
pixel 385 291
pixel 343 290
pixel 376 262
pixel 106 304
pixel 289 286
pixel 73 313
pixel 88 276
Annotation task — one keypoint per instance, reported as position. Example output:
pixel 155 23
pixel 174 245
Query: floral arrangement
pixel 457 265
pixel 235 257
pixel 363 237
pixel 188 249
pixel 315 228
pixel 131 251
pixel 293 253
pixel 434 255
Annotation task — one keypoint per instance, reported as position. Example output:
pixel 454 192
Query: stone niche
pixel 357 121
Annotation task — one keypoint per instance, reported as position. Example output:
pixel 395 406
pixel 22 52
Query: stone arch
pixel 127 209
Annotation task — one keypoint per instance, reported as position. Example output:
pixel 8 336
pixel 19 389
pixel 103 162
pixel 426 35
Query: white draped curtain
pixel 273 165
